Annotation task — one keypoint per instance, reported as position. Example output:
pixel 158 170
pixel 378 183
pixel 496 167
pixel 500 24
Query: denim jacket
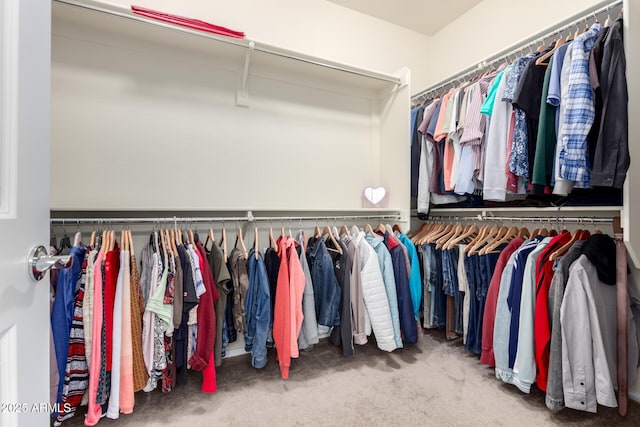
pixel 325 286
pixel 257 311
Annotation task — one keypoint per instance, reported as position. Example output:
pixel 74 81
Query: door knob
pixel 40 262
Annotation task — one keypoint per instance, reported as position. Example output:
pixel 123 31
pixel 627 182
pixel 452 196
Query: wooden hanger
pixel 192 239
pixel 327 230
pixel 272 241
pixel 316 231
pixel 479 236
pixel 130 241
pixel 502 231
pixel 433 238
pixel 510 234
pixel 368 229
pixel 122 240
pixel 490 234
pixel 256 247
pixel 223 243
pixel 210 235
pixel 112 242
pixel 172 242
pixel 381 229
pixel 412 233
pixel 543 59
pixel 163 241
pixel 397 228
pixel 243 248
pixel 524 233
pixel 443 240
pixel 344 230
pixel 92 241
pixel 438 229
pixel 564 248
pixel 469 231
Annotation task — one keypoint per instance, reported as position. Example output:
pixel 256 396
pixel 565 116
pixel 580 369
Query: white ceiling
pixel 425 16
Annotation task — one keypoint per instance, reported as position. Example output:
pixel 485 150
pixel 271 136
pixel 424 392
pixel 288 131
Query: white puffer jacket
pixel 374 293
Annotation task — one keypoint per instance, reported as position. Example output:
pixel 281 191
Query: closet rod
pixel 249 218
pixel 97 6
pixel 542 219
pixel 515 48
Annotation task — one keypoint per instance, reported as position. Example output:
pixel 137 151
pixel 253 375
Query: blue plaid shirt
pixel 579 113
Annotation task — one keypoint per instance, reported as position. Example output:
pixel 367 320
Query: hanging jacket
pixel 62 312
pixel 325 286
pixel 342 336
pixel 415 278
pixel 374 294
pixel 257 311
pixel 309 331
pixel 202 359
pixel 357 301
pixel 386 269
pixel 287 319
pixel 408 324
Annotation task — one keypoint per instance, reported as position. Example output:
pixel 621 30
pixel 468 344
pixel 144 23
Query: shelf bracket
pixel 242 96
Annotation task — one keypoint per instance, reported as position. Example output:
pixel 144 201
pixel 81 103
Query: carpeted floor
pixel 434 383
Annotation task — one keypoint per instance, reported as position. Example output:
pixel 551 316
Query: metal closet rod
pixel 516 48
pixel 541 219
pixel 176 219
pixel 239 42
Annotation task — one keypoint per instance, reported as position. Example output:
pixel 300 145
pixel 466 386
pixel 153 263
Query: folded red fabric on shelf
pixel 187 22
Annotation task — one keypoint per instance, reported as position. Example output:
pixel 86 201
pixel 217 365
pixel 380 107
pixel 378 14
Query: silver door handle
pixel 40 262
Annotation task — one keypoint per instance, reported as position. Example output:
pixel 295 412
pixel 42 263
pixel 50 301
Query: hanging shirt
pixel 518 158
pixel 496 144
pixel 546 139
pixel 528 98
pixel 555 88
pixel 524 366
pixel 579 114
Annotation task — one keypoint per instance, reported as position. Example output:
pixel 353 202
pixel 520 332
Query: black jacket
pixel 611 157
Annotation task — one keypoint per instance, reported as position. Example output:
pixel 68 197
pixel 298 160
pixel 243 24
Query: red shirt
pixel 541 322
pixel 111 270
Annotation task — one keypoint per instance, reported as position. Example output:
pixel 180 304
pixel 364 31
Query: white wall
pixel 314 27
pixel 489 27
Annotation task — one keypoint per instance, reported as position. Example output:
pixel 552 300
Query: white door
pixel 25 63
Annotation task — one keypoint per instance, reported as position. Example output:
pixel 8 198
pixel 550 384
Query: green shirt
pixel 487 105
pixel 546 140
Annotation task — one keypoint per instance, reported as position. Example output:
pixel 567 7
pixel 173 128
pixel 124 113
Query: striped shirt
pixel 579 113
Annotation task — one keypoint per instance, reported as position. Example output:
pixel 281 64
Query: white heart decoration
pixel 375 195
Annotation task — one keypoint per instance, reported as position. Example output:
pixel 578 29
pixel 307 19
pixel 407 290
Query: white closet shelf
pixel 103 16
pixel 527 211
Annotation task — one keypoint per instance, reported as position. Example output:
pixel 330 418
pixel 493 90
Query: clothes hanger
pixel 563 249
pixel 243 248
pixel 490 234
pixel 327 230
pixel 511 233
pixel 256 248
pixel 272 240
pixel 544 59
pixel 480 235
pixel 223 243
pixel 502 231
pixel 523 233
pixel 344 231
pixel 368 229
pixel 468 232
pixel 77 238
pixel 434 237
pixel 92 240
pixel 455 231
pixel 382 229
pixel 130 242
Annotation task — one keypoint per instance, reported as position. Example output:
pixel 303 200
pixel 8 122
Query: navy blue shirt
pixel 515 295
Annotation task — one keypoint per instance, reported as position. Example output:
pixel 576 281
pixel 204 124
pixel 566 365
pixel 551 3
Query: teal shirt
pixel 415 279
pixel 487 105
